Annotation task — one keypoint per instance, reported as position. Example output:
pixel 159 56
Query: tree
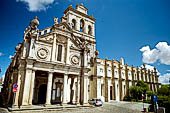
pixel 164 90
pixel 134 91
pixel 137 91
pixel 144 87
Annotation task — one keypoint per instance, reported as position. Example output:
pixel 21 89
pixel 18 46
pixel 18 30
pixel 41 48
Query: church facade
pixel 60 65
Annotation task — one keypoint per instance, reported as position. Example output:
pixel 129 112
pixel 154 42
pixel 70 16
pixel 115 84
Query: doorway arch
pixel 42 94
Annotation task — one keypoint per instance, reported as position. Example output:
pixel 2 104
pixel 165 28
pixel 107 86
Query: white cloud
pixel 3 77
pixel 165 79
pixel 161 53
pixel 168 70
pixel 1 53
pixel 10 56
pixel 37 5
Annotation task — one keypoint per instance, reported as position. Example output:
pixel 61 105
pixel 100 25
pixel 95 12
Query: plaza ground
pixel 111 107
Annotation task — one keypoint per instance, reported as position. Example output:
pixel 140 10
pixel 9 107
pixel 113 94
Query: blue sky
pixel 137 30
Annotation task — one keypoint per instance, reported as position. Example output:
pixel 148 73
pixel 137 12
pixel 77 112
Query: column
pixel 26 87
pixel 85 99
pixel 31 87
pixel 17 93
pixel 78 91
pixel 49 86
pixel 74 88
pixel 54 48
pixel 65 89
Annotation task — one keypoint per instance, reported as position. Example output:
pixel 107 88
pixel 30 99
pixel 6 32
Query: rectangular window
pixel 59 56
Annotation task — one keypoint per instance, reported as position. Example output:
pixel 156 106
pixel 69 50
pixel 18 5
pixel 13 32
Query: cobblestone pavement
pixel 113 107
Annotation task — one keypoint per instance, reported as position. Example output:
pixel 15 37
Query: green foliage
pixel 150 93
pixel 164 101
pixel 140 100
pixel 164 90
pixel 127 98
pixel 133 100
pixel 137 91
pixel 134 91
pixel 144 86
pixel 164 97
pixel 148 101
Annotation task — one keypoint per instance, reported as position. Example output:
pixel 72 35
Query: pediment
pixel 63 26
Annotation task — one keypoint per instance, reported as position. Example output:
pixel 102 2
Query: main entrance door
pixel 111 95
pixel 57 92
pixel 42 94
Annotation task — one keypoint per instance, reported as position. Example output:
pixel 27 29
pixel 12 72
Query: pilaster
pixel 31 49
pixel 106 81
pixel 132 73
pixel 113 81
pixel 120 83
pixel 68 52
pixel 54 48
pixel 127 80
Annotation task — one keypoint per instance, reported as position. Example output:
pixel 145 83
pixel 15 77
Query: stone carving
pixel 42 53
pixel 75 60
pixel 81 43
pixel 48 39
pixel 61 39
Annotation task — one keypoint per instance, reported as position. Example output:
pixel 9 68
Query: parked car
pixel 96 102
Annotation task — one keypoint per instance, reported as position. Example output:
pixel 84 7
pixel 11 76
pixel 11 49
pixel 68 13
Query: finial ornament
pixel 34 23
pixel 32 29
pixel 96 53
pixel 55 20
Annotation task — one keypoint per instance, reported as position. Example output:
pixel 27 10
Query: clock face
pixel 42 53
pixel 75 60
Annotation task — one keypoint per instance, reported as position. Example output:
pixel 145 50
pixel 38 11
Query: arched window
pixel 73 24
pixel 59 56
pixel 39 34
pixel 51 30
pixel 45 32
pixel 89 30
pixel 81 25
